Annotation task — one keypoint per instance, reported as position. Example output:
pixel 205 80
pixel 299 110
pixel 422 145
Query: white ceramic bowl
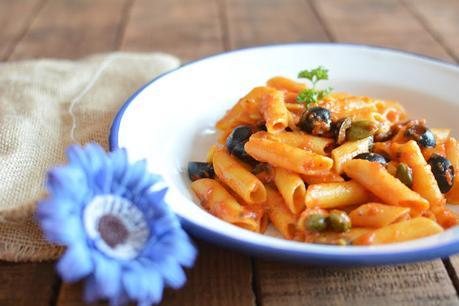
pixel 170 122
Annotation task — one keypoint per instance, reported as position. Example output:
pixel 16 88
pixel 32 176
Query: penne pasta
pixel 375 178
pixel 403 231
pixel 219 202
pixel 441 134
pixel 329 177
pixel 238 178
pixel 299 139
pixel 286 84
pixel 288 157
pixel 274 111
pixel 279 214
pixel 377 215
pixel 348 151
pixel 424 181
pixel 336 195
pixel 292 189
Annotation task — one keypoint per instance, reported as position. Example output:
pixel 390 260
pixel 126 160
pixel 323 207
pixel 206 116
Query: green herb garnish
pixel 312 95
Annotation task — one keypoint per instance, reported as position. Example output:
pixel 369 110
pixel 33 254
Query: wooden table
pixel 194 28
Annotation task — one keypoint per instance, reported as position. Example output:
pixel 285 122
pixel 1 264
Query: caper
pixel 404 174
pixel 339 129
pixel 361 129
pixel 443 171
pixel 339 221
pixel 421 134
pixel 199 170
pixel 316 222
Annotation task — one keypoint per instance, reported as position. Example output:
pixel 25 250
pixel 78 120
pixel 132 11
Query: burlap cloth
pixel 44 106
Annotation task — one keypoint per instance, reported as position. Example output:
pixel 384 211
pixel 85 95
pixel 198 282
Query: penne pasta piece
pixel 238 178
pixel 348 151
pixel 282 83
pixel 329 177
pixel 377 215
pixel 439 149
pixel 279 214
pixel 383 148
pixel 288 157
pixel 424 181
pixel 441 134
pixel 300 139
pixel 402 231
pixel 335 195
pixel 246 111
pixel 375 178
pixel 292 189
pixel 274 111
pixel 452 153
pixel 219 202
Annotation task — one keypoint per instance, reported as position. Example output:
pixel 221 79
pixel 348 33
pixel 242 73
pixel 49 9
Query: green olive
pixel 404 174
pixel 339 221
pixel 316 222
pixel 361 129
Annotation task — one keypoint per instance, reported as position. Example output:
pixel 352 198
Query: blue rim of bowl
pixel 300 256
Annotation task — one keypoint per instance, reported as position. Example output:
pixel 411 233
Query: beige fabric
pixel 40 101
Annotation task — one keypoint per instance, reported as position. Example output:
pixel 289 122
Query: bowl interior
pixel 170 122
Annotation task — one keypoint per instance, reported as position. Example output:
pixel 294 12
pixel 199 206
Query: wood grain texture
pixel 27 284
pixel 258 22
pixel 441 18
pixel 387 23
pixel 186 28
pixel 72 29
pixel 413 284
pixel 219 278
pixel 15 19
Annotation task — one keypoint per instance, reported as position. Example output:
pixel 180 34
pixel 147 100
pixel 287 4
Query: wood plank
pixel 15 18
pixel 27 284
pixel 186 28
pixel 72 29
pixel 441 18
pixel 259 22
pixel 219 278
pixel 413 284
pixel 387 23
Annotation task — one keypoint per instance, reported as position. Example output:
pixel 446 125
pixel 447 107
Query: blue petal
pixel 68 182
pixel 77 157
pixel 176 245
pixel 172 272
pixel 164 224
pixel 96 156
pixel 133 173
pixel 60 210
pixel 60 232
pixel 104 177
pixel 119 162
pixel 75 264
pixel 90 290
pixel 143 284
pixel 107 274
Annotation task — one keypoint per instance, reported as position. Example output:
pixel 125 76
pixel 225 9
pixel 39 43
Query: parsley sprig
pixel 313 95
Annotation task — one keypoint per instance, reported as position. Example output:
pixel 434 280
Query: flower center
pixel 112 230
pixel 116 226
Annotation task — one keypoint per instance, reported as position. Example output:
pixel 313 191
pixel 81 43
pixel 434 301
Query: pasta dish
pixel 328 167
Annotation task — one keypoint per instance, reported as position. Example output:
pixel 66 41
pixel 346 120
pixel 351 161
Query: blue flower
pixel 121 236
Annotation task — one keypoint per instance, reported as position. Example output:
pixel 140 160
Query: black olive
pixel 199 170
pixel 236 141
pixel 443 172
pixel 422 135
pixel 373 157
pixel 316 121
